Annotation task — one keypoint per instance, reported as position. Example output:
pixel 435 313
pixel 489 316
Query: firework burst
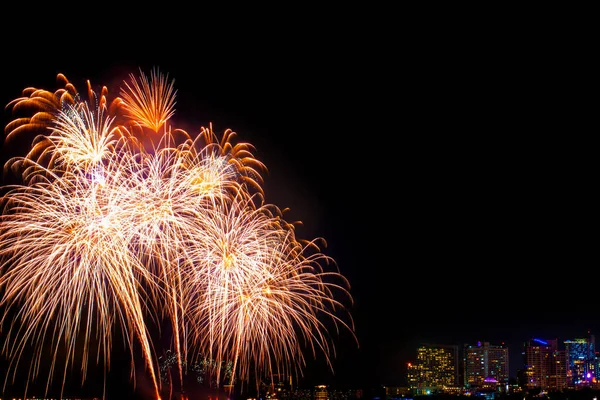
pixel 149 101
pixel 69 270
pixel 105 232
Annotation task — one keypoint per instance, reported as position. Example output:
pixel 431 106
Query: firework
pixel 69 269
pixel 149 102
pixel 256 290
pixel 106 232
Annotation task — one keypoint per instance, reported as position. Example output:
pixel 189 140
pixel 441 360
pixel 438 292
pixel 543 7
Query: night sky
pixel 439 165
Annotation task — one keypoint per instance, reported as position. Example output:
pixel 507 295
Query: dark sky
pixel 437 159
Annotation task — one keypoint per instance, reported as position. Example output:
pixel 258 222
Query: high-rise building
pixel 435 370
pixel 484 363
pixel 581 357
pixel 540 363
pixel 558 380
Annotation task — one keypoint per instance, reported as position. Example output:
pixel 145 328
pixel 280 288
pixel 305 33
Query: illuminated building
pixel 435 371
pixel 581 357
pixel 485 364
pixel 321 392
pixel 396 392
pixel 558 380
pixel 544 365
pixel 412 376
pixel 277 388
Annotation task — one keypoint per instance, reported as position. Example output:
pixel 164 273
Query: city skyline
pixel 516 354
pixel 438 185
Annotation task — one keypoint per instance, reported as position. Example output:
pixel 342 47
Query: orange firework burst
pixel 104 232
pixel 150 102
